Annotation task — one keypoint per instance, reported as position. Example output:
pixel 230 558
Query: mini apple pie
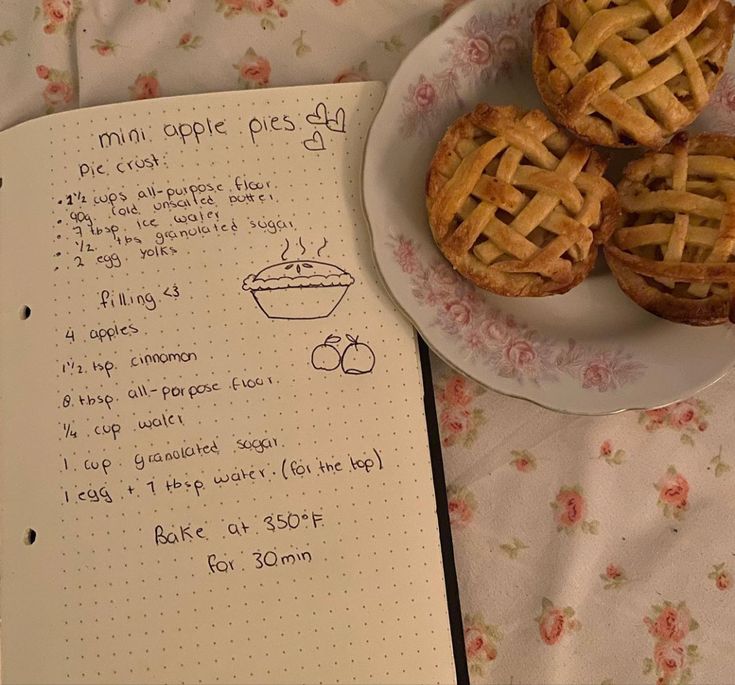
pixel 674 253
pixel 299 289
pixel 516 204
pixel 630 71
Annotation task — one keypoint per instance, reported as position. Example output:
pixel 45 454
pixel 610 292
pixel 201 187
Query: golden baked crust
pixel 516 204
pixel 674 252
pixel 627 73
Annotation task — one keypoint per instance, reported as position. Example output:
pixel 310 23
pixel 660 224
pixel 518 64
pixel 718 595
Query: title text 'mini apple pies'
pixel 516 204
pixel 674 253
pixel 626 72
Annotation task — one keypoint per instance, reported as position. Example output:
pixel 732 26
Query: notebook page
pixel 214 455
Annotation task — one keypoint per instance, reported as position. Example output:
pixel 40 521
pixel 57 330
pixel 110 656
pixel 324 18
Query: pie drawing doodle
pixel 298 288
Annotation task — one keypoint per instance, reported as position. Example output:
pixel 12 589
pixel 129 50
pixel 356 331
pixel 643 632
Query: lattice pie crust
pixel 516 204
pixel 625 72
pixel 674 253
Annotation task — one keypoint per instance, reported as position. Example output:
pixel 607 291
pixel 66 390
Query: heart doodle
pixel 337 123
pixel 315 143
pixel 320 117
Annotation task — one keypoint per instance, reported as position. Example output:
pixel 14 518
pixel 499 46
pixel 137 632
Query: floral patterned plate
pixel 590 351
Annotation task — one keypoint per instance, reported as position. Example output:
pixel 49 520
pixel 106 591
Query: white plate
pixel 590 351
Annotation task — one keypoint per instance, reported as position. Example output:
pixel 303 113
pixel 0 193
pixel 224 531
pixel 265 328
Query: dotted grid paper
pixel 204 480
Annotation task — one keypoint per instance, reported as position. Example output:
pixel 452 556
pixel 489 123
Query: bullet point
pixel 59 202
pixel 58 221
pixel 58 236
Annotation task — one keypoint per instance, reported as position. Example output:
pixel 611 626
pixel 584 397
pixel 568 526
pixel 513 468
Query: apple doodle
pixel 299 288
pixel 356 359
pixel 326 357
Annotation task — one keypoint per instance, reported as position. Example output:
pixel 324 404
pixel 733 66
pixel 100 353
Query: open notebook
pixel 214 446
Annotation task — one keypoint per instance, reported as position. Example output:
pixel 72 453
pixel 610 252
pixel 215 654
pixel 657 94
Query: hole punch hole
pixel 29 537
pixel 25 312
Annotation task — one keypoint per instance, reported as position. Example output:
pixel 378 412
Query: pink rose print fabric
pixel 673 493
pixel 614 577
pixel 481 643
pixel 555 622
pixel 189 41
pixel 632 513
pixel 253 70
pixel 352 74
pixel 145 86
pixel 721 576
pixel 104 47
pixel 459 419
pixel 450 6
pixel 687 418
pixel 588 549
pixel 462 505
pixel 523 461
pixel 155 4
pixel 58 14
pixel 674 653
pixel 611 455
pixel 58 90
pixel 267 10
pixel 570 511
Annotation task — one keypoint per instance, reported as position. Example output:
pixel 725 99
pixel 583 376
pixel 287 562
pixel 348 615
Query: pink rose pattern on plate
pixel 554 622
pixel 720 113
pixel 486 46
pixel 497 339
pixel 421 107
pixel 686 417
pixel 670 625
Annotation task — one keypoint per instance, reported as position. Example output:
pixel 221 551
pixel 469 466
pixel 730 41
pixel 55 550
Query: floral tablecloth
pixel 588 550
